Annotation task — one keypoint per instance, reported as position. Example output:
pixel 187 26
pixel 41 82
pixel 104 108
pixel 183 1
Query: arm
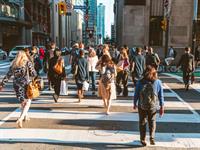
pixel 137 94
pixel 7 77
pixel 63 72
pixel 31 69
pixel 87 72
pixel 161 98
pixel 193 64
pixel 158 59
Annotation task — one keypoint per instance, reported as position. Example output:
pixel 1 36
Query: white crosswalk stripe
pixel 90 118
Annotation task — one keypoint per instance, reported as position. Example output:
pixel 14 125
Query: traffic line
pixel 118 137
pixel 114 116
pixel 185 103
pixel 5 63
pixel 99 102
pixel 194 86
pixel 9 116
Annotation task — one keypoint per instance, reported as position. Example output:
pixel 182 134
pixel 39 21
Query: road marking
pixel 185 103
pixel 9 116
pixel 114 116
pixel 172 140
pixel 5 63
pixel 194 86
pixel 99 102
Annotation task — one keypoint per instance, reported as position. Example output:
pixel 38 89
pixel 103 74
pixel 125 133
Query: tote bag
pixel 63 88
pixel 85 86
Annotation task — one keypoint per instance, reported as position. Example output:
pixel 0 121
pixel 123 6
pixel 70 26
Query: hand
pixel 134 107
pixel 161 112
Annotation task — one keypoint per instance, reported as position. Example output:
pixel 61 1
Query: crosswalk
pixel 69 122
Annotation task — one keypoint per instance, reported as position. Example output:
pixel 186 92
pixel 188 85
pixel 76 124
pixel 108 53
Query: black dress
pixel 55 78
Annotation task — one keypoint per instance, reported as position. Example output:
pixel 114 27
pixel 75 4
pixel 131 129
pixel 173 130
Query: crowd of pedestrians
pixel 114 67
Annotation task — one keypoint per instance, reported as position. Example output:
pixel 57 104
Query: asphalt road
pixel 72 125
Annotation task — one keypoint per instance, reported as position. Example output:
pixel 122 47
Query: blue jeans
pixel 93 78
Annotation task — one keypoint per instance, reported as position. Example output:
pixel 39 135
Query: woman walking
pixel 81 74
pixel 148 91
pixel 92 62
pixel 55 76
pixel 123 72
pixel 21 68
pixel 107 89
pixel 36 59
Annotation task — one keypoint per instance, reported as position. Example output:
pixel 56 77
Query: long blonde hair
pixel 20 60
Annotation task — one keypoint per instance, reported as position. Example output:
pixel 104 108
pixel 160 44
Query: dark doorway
pixel 155 31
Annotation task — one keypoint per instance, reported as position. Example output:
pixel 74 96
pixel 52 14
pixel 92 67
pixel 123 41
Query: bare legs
pixel 80 95
pixel 24 112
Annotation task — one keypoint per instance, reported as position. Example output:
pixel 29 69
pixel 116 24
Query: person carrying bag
pixel 21 68
pixel 57 73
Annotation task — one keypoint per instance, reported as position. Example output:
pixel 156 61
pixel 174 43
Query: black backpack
pixel 148 98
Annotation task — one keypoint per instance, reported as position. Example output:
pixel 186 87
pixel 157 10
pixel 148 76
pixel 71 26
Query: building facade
pixel 100 23
pixel 37 13
pixel 12 24
pixel 113 34
pixel 138 23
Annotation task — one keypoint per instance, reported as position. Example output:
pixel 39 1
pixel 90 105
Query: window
pixel 135 2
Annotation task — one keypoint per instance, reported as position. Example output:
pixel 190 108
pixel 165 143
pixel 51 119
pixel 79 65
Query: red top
pixel 41 52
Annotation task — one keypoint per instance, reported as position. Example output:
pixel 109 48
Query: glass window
pixel 9 11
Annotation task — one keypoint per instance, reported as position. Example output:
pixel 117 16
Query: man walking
pixel 187 65
pixel 138 66
pixel 152 58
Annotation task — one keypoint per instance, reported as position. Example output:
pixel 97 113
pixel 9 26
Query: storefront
pixel 10 25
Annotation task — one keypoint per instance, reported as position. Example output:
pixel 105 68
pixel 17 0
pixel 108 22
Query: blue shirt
pixel 158 89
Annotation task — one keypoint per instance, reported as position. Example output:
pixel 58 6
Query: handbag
pixel 85 86
pixel 63 88
pixel 40 83
pixel 58 68
pixel 32 90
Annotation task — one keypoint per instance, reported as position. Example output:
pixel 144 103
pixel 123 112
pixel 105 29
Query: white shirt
pixel 92 62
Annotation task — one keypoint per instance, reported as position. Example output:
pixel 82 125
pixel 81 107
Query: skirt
pixel 107 92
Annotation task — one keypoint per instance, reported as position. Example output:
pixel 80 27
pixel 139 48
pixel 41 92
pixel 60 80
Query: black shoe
pixel 152 142
pixel 143 143
pixel 55 97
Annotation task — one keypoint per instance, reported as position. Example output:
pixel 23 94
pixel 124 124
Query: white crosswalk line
pixel 174 140
pixel 114 116
pixel 179 140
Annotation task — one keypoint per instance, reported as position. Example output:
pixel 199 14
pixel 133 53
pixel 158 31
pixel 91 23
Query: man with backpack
pixel 187 65
pixel 148 92
pixel 152 58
